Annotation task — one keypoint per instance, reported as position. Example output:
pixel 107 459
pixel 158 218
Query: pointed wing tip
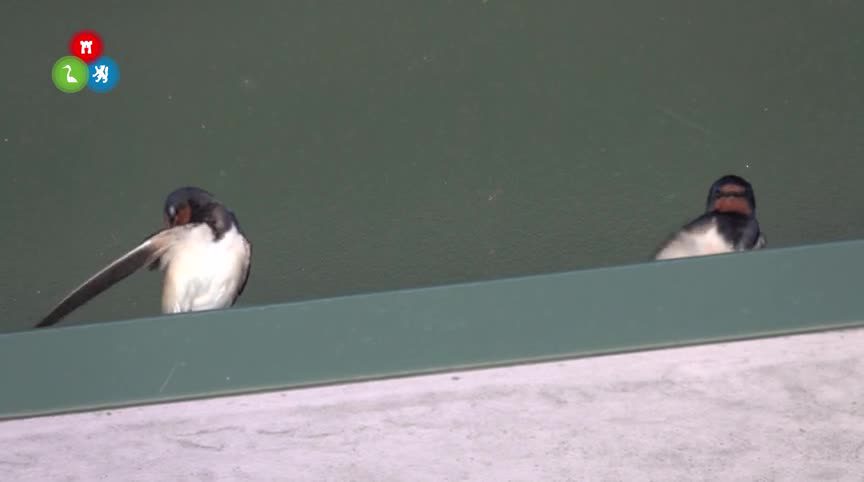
pixel 51 319
pixel 146 253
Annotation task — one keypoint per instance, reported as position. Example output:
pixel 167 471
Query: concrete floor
pixel 779 409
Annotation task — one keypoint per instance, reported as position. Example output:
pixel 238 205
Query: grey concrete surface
pixel 784 409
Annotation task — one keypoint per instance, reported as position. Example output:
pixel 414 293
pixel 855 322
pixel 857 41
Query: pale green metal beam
pixel 434 329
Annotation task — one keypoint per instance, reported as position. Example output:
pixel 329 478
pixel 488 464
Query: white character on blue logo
pixel 101 74
pixel 105 74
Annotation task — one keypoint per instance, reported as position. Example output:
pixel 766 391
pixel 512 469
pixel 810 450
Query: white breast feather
pixel 201 274
pixel 703 242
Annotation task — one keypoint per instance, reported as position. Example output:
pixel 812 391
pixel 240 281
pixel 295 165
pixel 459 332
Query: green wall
pixel 369 146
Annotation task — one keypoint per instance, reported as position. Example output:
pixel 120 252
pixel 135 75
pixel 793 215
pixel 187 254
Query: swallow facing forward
pixel 202 251
pixel 728 225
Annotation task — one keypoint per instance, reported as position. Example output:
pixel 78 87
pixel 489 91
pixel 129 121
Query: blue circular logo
pixel 104 74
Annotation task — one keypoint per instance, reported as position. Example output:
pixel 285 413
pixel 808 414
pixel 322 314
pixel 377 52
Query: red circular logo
pixel 86 45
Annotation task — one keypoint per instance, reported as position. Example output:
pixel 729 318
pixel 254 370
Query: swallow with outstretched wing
pixel 205 257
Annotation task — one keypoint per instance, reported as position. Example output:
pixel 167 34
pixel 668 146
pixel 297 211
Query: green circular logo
pixel 70 74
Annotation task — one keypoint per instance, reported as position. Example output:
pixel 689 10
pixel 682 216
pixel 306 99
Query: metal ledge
pixel 353 338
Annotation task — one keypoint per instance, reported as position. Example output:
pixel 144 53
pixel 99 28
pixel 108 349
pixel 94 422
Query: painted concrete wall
pixel 779 409
pixel 373 146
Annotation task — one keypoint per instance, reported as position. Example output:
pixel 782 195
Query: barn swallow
pixel 202 251
pixel 728 224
